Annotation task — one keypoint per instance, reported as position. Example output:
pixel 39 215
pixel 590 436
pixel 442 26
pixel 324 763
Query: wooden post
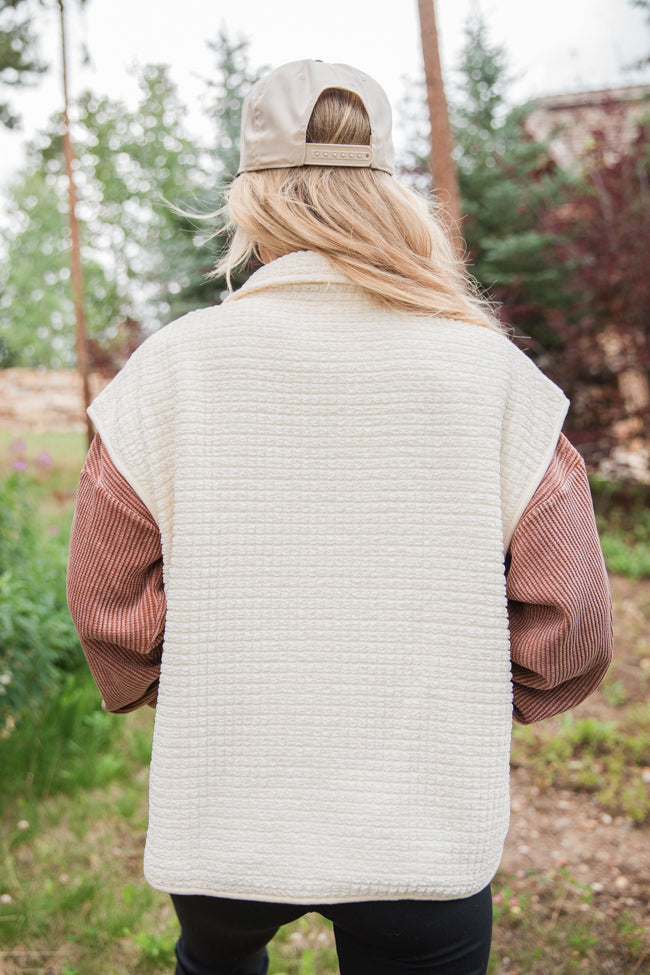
pixel 443 167
pixel 76 275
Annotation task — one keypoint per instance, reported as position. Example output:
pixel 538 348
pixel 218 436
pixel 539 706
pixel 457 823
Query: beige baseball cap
pixel 277 110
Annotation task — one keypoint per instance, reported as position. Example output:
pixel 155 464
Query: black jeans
pixel 229 937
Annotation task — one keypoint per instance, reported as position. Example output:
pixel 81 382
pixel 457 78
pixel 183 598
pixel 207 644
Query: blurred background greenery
pixel 561 242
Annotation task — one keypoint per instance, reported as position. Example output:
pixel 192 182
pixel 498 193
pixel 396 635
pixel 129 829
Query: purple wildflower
pixel 18 447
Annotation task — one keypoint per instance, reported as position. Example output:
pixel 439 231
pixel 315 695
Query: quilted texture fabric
pixel 335 486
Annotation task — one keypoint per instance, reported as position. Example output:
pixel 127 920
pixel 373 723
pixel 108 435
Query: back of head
pixel 382 236
pixel 339 117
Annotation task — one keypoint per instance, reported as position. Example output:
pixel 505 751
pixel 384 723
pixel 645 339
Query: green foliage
pixel 193 248
pixel 36 309
pixel 37 638
pixel 138 176
pixel 505 186
pixel 56 862
pixel 562 929
pixel 19 64
pixel 132 164
pixel 623 518
pixel 563 253
pixel 602 232
pixel 129 163
pixel 61 744
pixel 156 948
pixel 233 79
pixel 614 694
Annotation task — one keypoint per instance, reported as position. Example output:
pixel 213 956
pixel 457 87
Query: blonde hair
pixel 381 235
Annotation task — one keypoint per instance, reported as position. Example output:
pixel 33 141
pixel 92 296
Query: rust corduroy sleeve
pixel 558 594
pixel 115 585
pixel 559 600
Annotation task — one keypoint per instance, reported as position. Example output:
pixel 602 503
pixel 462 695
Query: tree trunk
pixel 76 275
pixel 631 455
pixel 443 167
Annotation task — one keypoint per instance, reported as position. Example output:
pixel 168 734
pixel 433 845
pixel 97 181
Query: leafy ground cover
pixel 37 639
pixel 571 895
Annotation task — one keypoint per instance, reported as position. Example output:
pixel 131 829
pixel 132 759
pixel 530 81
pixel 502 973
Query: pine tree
pixel 196 250
pixel 507 185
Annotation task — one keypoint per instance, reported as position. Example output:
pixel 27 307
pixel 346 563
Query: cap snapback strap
pixel 328 154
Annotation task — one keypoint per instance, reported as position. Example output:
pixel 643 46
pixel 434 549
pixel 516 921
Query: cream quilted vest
pixel 335 485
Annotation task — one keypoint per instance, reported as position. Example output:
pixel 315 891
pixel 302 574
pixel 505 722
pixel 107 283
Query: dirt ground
pixel 560 829
pixel 34 400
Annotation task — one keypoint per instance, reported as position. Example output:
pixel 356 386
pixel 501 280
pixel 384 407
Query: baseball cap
pixel 277 109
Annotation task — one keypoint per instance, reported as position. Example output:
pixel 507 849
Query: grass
pixel 551 923
pixel 624 555
pixel 607 759
pixel 67 449
pixel 73 810
pixel 64 746
pixel 623 516
pixel 69 891
pixel 72 895
pixel 73 900
pixel 54 461
pixel 93 915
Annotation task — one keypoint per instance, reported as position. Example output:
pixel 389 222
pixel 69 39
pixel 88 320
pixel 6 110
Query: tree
pixel 36 308
pixel 128 164
pixel 143 259
pixel 133 165
pixel 443 166
pixel 602 229
pixel 565 254
pixel 76 271
pixel 507 183
pixel 192 248
pixel 19 63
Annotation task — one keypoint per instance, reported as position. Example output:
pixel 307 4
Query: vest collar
pixel 299 267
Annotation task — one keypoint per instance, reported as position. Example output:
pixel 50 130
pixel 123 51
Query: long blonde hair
pixel 381 235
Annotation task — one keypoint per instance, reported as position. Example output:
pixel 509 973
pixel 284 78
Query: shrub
pixel 38 642
pixel 63 746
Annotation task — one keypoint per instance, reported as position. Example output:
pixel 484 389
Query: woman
pixel 344 499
